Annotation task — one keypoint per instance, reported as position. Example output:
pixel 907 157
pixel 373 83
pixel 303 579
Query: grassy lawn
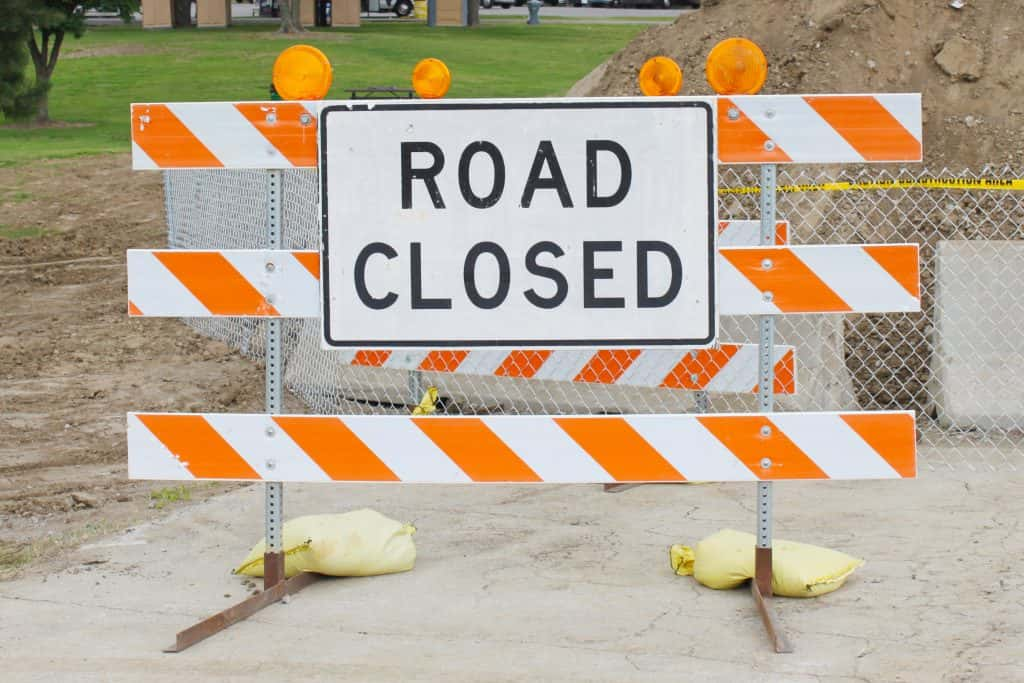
pixel 98 76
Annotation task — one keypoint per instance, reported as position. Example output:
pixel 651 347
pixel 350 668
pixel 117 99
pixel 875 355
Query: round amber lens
pixel 736 66
pixel 302 72
pixel 431 78
pixel 660 76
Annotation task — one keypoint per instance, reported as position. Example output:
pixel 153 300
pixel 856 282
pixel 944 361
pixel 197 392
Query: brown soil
pixel 72 363
pixel 971 118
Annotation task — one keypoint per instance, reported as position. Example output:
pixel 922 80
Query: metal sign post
pixel 273 558
pixel 761 586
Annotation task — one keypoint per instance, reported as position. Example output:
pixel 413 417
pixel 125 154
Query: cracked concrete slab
pixel 548 583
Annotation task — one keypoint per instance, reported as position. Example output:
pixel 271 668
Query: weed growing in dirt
pixel 172 494
pixel 20 232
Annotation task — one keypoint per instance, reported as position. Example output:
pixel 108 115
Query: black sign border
pixel 520 343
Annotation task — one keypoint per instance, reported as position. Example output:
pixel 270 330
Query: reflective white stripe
pixel 738 372
pixel 747 233
pixel 156 291
pixel 834 446
pixel 906 109
pixel 547 449
pixel 405 449
pixel 405 360
pixel 564 365
pixel 691 449
pixel 140 160
pixel 274 274
pixel 858 279
pixel 485 362
pixel 737 295
pixel 273 456
pixel 797 129
pixel 651 368
pixel 228 134
pixel 148 457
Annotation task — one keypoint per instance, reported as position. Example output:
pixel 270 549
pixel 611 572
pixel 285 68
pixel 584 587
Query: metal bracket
pixel 243 610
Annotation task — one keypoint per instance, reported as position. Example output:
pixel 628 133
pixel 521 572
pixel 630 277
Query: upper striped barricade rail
pixel 522 449
pixel 869 278
pixel 749 129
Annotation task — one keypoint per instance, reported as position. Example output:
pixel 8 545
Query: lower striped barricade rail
pixel 521 448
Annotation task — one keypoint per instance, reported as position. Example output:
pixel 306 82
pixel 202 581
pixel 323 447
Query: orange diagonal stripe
pixel 900 261
pixel 869 128
pixel 795 287
pixel 607 365
pixel 214 281
pixel 742 436
pixel 475 449
pixel 616 447
pixel 703 364
pixel 335 448
pixel 740 139
pixel 373 359
pixel 443 361
pixel 285 131
pixel 893 437
pixel 310 260
pixel 198 446
pixel 522 363
pixel 785 374
pixel 133 309
pixel 166 140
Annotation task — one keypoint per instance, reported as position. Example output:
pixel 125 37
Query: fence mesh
pixel 957 363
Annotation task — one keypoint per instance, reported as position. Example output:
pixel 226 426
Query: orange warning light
pixel 736 66
pixel 431 78
pixel 302 72
pixel 660 76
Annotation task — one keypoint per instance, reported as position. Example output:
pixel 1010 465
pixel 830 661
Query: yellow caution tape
pixel 931 183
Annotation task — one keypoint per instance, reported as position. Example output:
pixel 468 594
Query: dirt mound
pixel 967 63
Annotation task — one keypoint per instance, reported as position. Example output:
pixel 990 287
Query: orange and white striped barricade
pixel 863 278
pixel 522 449
pixel 757 129
pixel 773 278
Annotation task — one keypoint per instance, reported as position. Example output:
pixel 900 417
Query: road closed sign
pixel 512 223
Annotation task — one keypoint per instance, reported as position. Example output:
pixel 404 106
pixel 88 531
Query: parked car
pixel 401 8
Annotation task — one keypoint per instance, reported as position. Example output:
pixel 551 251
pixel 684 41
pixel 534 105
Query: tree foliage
pixel 18 95
pixel 49 22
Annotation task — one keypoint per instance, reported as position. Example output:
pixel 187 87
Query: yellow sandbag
pixel 726 559
pixel 358 543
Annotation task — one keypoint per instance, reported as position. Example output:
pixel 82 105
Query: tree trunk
pixel 181 13
pixel 44 59
pixel 291 16
pixel 473 13
pixel 43 106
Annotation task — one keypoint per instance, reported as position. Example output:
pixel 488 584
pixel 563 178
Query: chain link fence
pixel 959 363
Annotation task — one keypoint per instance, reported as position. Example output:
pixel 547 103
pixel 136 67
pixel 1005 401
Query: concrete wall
pixel 345 13
pixel 213 13
pixel 156 13
pixel 448 13
pixel 978 364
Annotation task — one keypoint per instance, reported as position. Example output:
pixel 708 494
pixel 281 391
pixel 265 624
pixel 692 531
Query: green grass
pixel 172 494
pixel 128 64
pixel 18 232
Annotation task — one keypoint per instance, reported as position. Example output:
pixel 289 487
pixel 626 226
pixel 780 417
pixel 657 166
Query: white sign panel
pixel 513 223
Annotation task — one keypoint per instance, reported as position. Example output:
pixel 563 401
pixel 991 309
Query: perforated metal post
pixel 273 559
pixel 765 385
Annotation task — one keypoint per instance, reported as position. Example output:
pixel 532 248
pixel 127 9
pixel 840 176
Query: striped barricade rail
pixel 752 281
pixel 522 448
pixel 750 130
